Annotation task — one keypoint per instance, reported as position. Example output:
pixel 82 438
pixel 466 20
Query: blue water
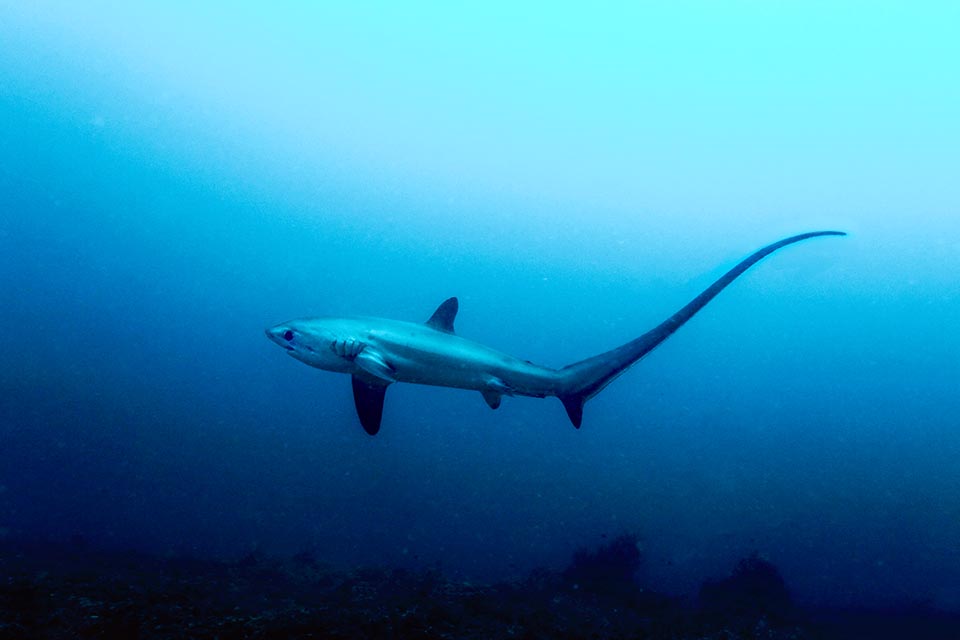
pixel 173 181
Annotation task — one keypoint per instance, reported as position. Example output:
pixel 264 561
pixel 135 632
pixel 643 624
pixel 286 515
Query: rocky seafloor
pixel 67 590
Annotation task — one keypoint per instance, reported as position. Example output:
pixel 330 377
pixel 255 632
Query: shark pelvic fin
pixel 497 385
pixel 442 319
pixel 492 398
pixel 496 389
pixel 374 364
pixel 368 398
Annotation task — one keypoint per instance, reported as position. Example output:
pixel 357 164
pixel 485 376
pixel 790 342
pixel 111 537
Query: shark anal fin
pixel 492 398
pixel 368 398
pixel 442 319
pixel 374 364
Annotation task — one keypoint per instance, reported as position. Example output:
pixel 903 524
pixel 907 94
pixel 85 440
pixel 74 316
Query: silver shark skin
pixel 411 352
pixel 378 352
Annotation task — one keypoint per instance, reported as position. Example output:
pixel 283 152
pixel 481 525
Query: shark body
pixel 378 352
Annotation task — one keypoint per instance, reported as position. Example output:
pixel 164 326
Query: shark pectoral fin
pixel 492 398
pixel 573 403
pixel 368 398
pixel 374 364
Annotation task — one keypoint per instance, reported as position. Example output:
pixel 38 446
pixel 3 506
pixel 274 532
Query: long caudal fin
pixel 583 380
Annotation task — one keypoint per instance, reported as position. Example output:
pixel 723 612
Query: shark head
pixel 312 342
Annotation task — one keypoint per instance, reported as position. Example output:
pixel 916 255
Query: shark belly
pixel 445 360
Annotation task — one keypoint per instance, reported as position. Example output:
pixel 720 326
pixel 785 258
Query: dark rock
pixel 610 570
pixel 755 589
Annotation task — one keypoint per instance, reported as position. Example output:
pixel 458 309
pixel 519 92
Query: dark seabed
pixel 174 180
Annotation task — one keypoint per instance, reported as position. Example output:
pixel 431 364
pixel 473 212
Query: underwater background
pixel 176 178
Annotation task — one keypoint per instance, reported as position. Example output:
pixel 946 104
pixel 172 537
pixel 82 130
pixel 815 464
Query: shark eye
pixel 288 335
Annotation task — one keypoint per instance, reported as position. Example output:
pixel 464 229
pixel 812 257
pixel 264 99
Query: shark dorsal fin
pixel 442 319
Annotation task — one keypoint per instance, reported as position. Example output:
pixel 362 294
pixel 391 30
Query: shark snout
pixel 281 335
